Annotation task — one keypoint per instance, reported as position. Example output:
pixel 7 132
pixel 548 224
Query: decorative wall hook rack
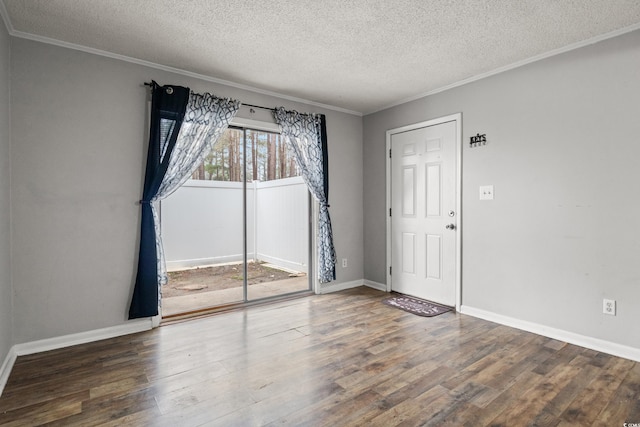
pixel 478 140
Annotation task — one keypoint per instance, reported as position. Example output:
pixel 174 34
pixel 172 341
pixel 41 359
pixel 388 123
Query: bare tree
pixel 282 161
pixel 268 158
pixel 293 169
pixel 254 155
pixel 271 157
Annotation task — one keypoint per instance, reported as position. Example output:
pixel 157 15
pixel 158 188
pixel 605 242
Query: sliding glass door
pixel 238 231
pixel 277 219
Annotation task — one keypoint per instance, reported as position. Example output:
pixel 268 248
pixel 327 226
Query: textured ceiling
pixel 359 55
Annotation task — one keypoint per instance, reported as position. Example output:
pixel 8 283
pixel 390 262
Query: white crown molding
pixel 570 47
pixel 99 52
pixel 515 65
pixel 20 34
pixel 596 344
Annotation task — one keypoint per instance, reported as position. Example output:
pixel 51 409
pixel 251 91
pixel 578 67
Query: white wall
pixel 78 126
pixel 282 223
pixel 6 311
pixel 562 153
pixel 202 223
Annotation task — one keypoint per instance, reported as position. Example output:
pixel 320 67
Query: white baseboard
pixel 39 346
pixel 326 288
pixel 6 367
pixel 292 267
pixel 331 287
pixel 375 285
pixel 557 334
pixel 184 264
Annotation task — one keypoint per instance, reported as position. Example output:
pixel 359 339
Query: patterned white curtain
pixel 303 135
pixel 205 120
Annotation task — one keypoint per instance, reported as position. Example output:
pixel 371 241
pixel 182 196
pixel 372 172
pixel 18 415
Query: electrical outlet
pixel 609 306
pixel 486 192
pixel 344 263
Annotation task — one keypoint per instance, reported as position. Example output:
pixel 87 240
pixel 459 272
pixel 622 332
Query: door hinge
pixel 390 270
pixel 389 152
pixel 389 211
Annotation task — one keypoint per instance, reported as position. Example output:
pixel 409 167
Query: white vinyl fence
pixel 202 223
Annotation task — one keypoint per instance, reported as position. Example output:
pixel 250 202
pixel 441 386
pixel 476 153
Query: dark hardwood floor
pixel 341 359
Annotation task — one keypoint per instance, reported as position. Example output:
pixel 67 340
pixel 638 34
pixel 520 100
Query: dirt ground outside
pixel 207 279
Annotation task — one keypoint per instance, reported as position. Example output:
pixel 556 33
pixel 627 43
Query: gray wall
pixel 78 124
pixel 563 149
pixel 5 206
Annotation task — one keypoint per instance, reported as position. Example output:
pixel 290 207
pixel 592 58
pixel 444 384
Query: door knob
pixel 450 227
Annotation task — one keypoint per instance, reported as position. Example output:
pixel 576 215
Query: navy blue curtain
pixel 325 154
pixel 168 107
pixel 325 164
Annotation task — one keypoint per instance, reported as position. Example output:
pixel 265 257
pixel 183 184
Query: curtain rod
pixel 150 84
pixel 257 106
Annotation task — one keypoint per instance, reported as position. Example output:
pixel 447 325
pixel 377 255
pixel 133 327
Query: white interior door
pixel 424 213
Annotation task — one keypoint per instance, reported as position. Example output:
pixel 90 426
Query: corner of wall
pixel 39 346
pixel 10 135
pixel 5 368
pixel 375 285
pixel 7 352
pixel 327 288
pixel 5 17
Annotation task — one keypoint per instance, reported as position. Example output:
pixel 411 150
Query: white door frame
pixel 458 208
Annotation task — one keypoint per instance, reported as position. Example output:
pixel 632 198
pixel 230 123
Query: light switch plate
pixel 486 192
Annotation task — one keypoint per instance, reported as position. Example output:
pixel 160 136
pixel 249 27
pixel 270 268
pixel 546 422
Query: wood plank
pixel 586 407
pixel 625 403
pixel 336 359
pixel 43 412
